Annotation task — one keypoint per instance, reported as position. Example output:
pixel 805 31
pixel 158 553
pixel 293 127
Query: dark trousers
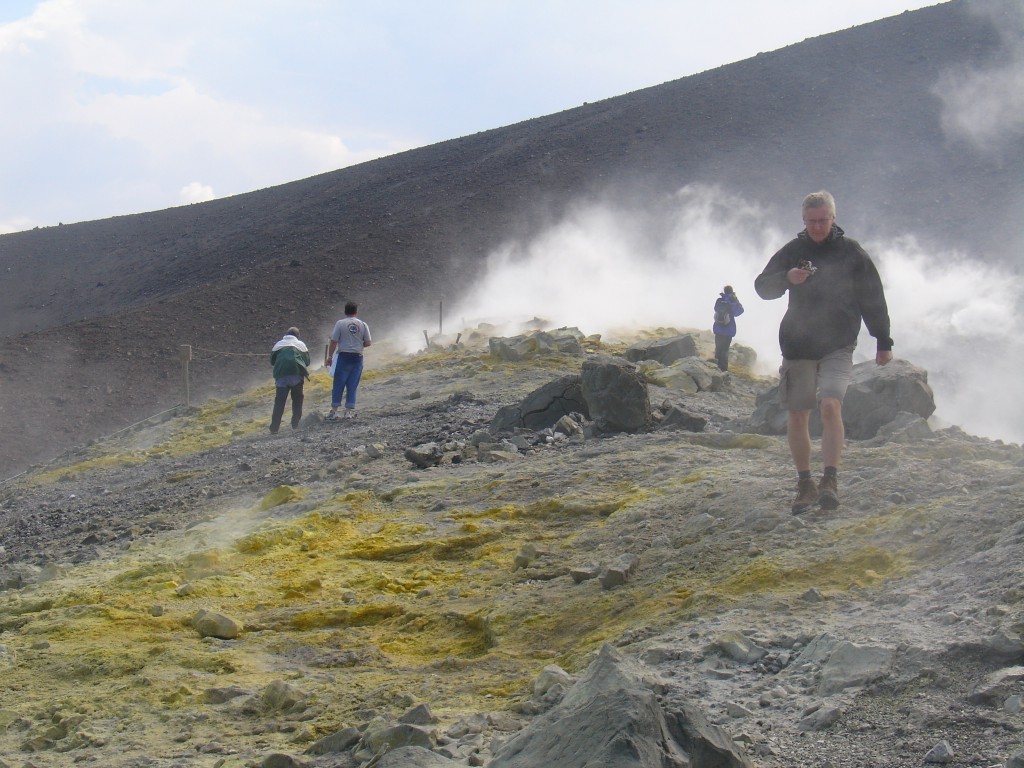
pixel 279 400
pixel 722 343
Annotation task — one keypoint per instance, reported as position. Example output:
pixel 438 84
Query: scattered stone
pixel 525 556
pixel 851 665
pixel 617 574
pixel 705 374
pixel 677 417
pixel 281 760
pixel 904 428
pixel 425 455
pixel 737 710
pixel 996 686
pixel 569 425
pixel 217 625
pixel 668 376
pixel 339 741
pixel 418 715
pixel 283 494
pixel 280 696
pixel 812 595
pixel 740 648
pixel 585 572
pixel 1006 645
pixel 940 753
pixel 394 736
pixel 665 351
pixel 819 718
pixel 551 675
pixel 224 694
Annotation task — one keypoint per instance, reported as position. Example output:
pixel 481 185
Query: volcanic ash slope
pixel 200 592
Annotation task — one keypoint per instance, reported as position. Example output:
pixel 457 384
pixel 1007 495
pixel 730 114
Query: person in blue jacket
pixel 727 309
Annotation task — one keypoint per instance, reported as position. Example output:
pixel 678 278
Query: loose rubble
pixel 463 578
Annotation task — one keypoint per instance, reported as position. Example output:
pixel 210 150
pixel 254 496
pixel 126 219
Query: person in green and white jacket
pixel 290 359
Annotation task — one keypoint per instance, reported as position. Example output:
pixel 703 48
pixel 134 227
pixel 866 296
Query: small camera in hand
pixel 807 265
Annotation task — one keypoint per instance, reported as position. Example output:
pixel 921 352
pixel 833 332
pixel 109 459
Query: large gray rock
pixel 610 718
pixel 879 393
pixel 665 351
pixel 616 395
pixel 425 455
pixel 516 348
pixel 844 664
pixel 877 396
pixel 543 407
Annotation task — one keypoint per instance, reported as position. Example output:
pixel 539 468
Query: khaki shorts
pixel 802 382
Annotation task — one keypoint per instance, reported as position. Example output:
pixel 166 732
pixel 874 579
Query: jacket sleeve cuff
pixel 885 345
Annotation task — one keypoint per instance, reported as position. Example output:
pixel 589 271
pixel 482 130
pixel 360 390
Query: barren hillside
pixel 93 313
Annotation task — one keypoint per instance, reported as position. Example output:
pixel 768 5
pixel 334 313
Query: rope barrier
pixel 231 354
pixel 190 349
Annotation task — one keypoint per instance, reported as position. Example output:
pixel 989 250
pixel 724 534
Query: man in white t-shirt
pixel 349 338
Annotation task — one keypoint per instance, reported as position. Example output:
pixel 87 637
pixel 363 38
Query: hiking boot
pixel 350 413
pixel 828 493
pixel 806 496
pixel 332 416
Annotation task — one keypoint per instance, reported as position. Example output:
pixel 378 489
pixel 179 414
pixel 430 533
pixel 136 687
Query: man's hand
pixel 797 276
pixel 882 357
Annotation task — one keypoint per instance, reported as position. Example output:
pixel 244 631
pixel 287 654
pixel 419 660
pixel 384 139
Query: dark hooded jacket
pixel 825 312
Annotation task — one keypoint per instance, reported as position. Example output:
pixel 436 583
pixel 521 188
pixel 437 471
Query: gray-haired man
pixel 832 285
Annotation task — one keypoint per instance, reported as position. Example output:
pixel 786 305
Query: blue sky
pixel 121 106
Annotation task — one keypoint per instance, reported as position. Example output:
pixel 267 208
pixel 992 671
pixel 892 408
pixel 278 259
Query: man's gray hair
pixel 820 199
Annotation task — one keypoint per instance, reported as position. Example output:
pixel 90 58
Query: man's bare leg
pixel 799 436
pixel 832 436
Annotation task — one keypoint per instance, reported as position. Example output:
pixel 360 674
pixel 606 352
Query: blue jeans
pixel 347 371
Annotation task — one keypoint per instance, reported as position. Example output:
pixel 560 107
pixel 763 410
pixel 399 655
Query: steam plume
pixel 606 268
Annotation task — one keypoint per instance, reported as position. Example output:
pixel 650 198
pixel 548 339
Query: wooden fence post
pixel 186 356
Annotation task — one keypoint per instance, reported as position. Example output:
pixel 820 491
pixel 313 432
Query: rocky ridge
pixel 199 592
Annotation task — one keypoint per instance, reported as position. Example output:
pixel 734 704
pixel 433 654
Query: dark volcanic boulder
pixel 543 407
pixel 616 395
pixel 665 351
pixel 611 718
pixel 877 395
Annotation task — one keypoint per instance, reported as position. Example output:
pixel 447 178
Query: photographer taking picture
pixel 832 285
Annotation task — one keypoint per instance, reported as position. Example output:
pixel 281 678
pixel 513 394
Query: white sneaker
pixel 350 413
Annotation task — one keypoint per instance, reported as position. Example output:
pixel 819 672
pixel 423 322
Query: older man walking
pixel 833 285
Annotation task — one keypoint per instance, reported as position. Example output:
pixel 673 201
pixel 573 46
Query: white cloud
pixel 15 225
pixel 196 192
